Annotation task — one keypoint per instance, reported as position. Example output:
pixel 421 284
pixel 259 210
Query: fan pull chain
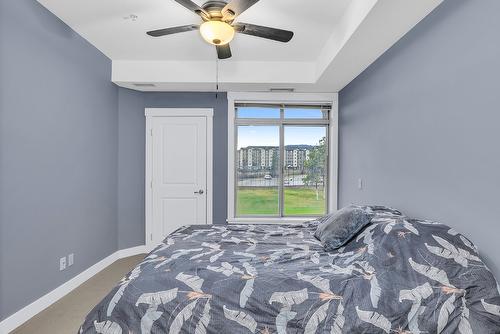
pixel 217 79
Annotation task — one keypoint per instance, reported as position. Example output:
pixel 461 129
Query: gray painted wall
pixel 131 160
pixel 421 126
pixel 132 124
pixel 58 153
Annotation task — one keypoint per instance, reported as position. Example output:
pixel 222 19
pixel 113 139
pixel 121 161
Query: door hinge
pixel 151 184
pixel 151 132
pixel 151 236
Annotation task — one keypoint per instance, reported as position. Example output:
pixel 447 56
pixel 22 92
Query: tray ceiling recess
pixel 332 42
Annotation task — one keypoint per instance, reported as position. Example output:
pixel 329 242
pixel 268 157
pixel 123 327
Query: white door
pixel 179 173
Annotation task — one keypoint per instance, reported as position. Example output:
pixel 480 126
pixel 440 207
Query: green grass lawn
pixel 264 201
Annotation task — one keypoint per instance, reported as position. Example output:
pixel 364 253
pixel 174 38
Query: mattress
pixel 399 275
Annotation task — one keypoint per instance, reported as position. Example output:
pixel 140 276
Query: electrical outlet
pixel 62 263
pixel 71 259
pixel 360 183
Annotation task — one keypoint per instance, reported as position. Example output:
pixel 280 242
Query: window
pixel 281 160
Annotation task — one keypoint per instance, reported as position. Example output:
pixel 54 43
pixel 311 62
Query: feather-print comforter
pixel 398 276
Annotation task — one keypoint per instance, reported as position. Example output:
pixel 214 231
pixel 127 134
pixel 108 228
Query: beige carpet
pixel 66 316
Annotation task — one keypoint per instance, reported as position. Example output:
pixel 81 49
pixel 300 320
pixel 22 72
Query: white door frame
pixel 150 113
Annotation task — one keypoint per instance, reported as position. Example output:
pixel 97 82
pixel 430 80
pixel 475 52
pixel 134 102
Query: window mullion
pixel 282 163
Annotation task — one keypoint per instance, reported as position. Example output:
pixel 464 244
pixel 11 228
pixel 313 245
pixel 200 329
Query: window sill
pixel 270 220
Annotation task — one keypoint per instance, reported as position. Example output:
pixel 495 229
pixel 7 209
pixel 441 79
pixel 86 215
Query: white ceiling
pixel 334 41
pixel 108 26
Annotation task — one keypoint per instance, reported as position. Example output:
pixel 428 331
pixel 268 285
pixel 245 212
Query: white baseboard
pixel 26 313
pixel 134 251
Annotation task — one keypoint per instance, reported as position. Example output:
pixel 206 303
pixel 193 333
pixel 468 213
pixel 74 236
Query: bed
pixel 398 275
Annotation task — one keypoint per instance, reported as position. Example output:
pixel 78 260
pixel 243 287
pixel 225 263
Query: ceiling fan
pixel 219 26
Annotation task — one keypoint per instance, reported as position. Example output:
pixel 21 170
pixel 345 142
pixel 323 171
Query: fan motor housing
pixel 214 8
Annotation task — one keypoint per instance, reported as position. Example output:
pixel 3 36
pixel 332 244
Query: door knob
pixel 199 192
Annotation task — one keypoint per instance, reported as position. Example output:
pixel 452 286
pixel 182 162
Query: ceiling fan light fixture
pixel 217 32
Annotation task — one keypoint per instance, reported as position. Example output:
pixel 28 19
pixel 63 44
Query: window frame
pixel 235 98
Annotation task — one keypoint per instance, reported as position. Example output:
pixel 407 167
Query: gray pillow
pixel 336 229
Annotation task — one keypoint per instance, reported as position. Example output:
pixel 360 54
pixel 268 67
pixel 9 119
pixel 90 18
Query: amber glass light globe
pixel 217 32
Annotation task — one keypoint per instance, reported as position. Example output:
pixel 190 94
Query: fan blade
pixel 194 8
pixel 264 32
pixel 173 30
pixel 223 51
pixel 235 8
